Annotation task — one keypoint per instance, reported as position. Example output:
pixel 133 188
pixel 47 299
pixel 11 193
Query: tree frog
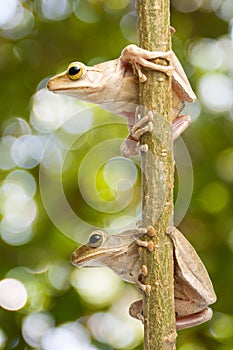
pixel 114 86
pixel 120 252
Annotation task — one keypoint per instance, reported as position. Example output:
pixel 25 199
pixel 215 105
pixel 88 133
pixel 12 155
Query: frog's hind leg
pixel 131 147
pixel 180 125
pixel 135 310
pixel 188 321
pixel 146 124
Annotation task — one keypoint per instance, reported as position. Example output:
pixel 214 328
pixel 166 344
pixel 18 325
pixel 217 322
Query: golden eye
pixel 75 71
pixel 95 239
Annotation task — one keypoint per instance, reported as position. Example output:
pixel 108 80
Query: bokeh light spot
pixel 224 164
pixel 210 5
pixel 15 235
pixel 120 174
pixel 19 210
pixel 38 296
pixel 16 127
pixel 216 92
pixel 35 325
pixel 13 294
pixel 227 46
pixel 50 110
pixel 221 326
pixel 98 286
pixel 226 10
pixel 21 25
pixel 80 122
pixel 14 21
pixel 116 5
pixel 85 12
pixel 52 159
pixel 58 275
pixel 186 6
pixel 27 151
pixel 206 54
pixel 114 331
pixel 128 26
pixel 214 197
pixel 18 207
pixel 72 336
pixel 55 9
pixel 6 161
pixel 122 222
pixel 7 11
pixel 21 178
pixel 3 339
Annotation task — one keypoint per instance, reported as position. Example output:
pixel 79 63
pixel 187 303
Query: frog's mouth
pixel 91 257
pixel 79 259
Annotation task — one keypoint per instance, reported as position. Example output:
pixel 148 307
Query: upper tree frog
pixel 114 86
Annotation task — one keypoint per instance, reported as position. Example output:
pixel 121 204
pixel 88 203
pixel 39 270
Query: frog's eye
pixel 95 239
pixel 75 71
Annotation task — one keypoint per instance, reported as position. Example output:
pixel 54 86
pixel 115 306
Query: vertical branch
pixel 157 183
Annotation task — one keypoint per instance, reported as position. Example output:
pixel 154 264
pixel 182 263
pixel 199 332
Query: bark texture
pixel 157 180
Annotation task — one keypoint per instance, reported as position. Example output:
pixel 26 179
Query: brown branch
pixel 157 183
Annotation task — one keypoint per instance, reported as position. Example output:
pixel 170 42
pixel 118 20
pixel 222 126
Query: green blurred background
pixel 61 173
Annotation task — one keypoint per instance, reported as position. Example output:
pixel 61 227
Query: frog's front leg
pixel 139 57
pixel 135 309
pixel 146 288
